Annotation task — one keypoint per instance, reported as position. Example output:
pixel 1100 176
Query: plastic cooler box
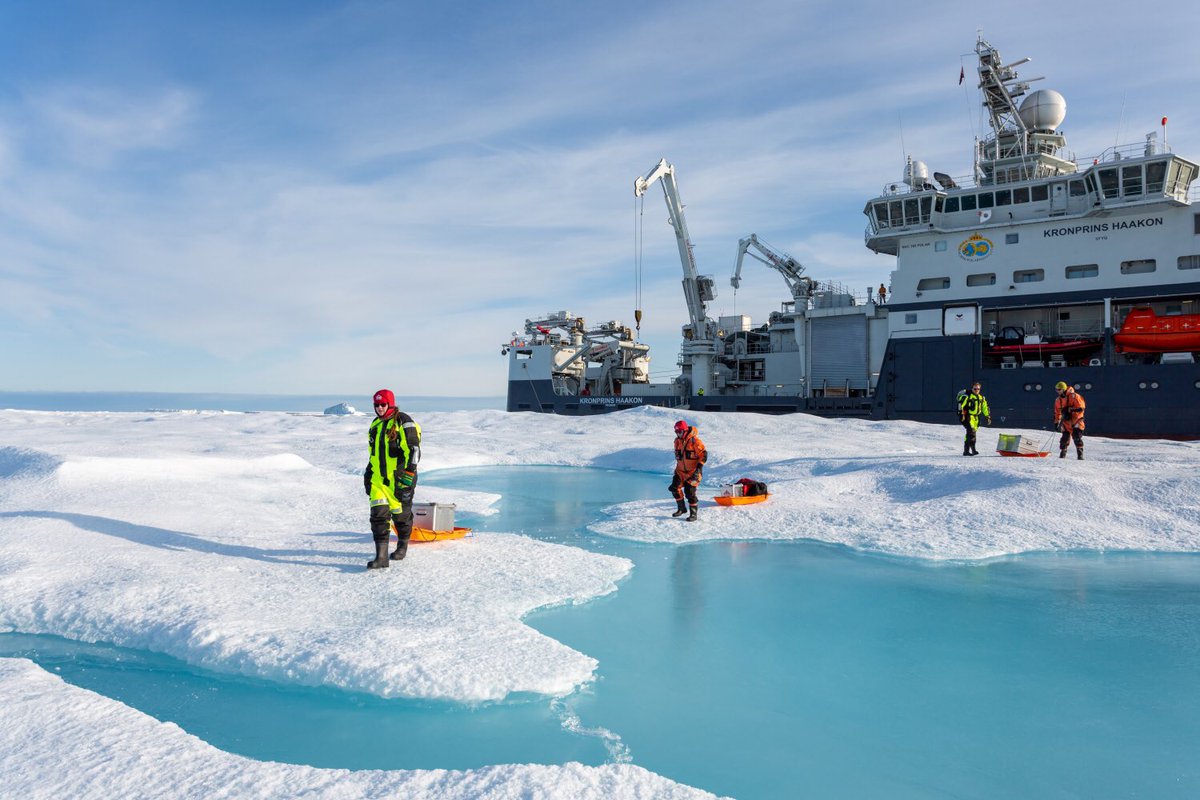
pixel 733 490
pixel 1016 443
pixel 433 516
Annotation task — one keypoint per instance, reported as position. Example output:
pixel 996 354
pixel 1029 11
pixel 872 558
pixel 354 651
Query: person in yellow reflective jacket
pixel 390 478
pixel 971 407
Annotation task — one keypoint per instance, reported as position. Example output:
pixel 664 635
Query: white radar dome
pixel 916 174
pixel 1043 110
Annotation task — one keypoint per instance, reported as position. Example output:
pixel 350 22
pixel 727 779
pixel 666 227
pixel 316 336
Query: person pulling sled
pixel 690 455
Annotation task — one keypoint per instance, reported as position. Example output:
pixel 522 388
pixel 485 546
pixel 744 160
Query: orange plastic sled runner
pixel 724 500
pixel 426 535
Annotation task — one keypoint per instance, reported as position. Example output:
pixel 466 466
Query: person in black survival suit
pixel 390 478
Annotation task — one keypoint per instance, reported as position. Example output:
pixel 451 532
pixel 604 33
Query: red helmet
pixel 681 427
pixel 385 396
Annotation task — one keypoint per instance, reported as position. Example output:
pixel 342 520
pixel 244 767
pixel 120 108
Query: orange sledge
pixel 742 492
pixel 728 500
pixel 426 535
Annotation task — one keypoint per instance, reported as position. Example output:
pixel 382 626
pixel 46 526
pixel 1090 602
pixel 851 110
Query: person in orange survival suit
pixel 1068 418
pixel 690 455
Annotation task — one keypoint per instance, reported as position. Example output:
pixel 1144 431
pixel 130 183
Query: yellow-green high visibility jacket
pixel 974 406
pixel 395 443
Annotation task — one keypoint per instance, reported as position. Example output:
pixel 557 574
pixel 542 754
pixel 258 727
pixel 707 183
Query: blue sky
pixel 301 197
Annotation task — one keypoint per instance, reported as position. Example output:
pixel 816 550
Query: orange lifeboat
pixel 1145 332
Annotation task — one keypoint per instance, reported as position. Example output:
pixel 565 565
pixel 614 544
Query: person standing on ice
pixel 690 455
pixel 1068 418
pixel 971 407
pixel 391 476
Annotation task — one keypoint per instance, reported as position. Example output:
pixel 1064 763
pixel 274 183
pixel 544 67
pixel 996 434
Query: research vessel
pixel 1038 267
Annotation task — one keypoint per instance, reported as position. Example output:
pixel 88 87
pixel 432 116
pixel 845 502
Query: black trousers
pixel 1067 435
pixel 681 488
pixel 382 519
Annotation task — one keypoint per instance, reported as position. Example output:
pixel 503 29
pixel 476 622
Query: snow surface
pixel 237 542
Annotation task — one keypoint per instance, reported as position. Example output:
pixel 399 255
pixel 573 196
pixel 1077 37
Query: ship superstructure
pixel 1037 267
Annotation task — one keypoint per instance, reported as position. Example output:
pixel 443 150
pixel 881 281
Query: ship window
pixel 896 212
pixel 1189 262
pixel 926 202
pixel 1108 183
pixel 1196 224
pixel 1156 173
pixel 1012 238
pixel 1083 271
pixel 1091 183
pixel 1021 195
pixel 1077 189
pixel 1004 197
pixel 1039 193
pixel 937 203
pixel 1029 275
pixel 1138 266
pixel 910 319
pixel 881 214
pixel 1131 180
pixel 939 247
pixel 951 205
pixel 968 202
pixel 983 279
pixel 927 284
pixel 986 200
pixel 910 212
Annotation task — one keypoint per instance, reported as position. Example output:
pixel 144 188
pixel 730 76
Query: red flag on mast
pixel 962 73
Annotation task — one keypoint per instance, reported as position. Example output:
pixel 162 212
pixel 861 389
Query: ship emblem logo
pixel 976 248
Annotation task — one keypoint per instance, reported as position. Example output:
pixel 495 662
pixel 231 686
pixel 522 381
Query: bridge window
pixel 1077 189
pixel 1108 183
pixel 1083 271
pixel 1156 174
pixel 1029 275
pixel 927 284
pixel 1189 262
pixel 968 202
pixel 881 215
pixel 986 200
pixel 911 216
pixel 926 203
pixel 951 205
pixel 1021 194
pixel 1004 197
pixel 1138 266
pixel 1039 193
pixel 1131 180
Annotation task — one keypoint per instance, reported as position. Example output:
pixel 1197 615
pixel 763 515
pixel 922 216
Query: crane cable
pixel 638 215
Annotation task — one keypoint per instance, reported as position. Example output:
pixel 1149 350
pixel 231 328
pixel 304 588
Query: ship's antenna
pixel 903 149
pixel 1120 120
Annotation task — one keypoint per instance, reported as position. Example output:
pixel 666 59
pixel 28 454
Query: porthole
pixel 1028 387
pixel 1196 384
pixel 1087 386
pixel 1037 386
pixel 1154 385
pixel 1141 384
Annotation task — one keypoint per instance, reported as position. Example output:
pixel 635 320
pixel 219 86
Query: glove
pixel 989 420
pixel 406 478
pixel 367 481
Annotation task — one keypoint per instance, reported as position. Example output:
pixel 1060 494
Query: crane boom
pixel 792 270
pixel 700 346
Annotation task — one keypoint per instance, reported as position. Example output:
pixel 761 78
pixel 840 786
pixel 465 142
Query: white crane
pixel 792 270
pixel 699 345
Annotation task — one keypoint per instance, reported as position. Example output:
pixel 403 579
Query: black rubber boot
pixel 692 516
pixel 1062 453
pixel 381 556
pixel 681 510
pixel 401 550
pixel 1079 453
pixel 966 450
